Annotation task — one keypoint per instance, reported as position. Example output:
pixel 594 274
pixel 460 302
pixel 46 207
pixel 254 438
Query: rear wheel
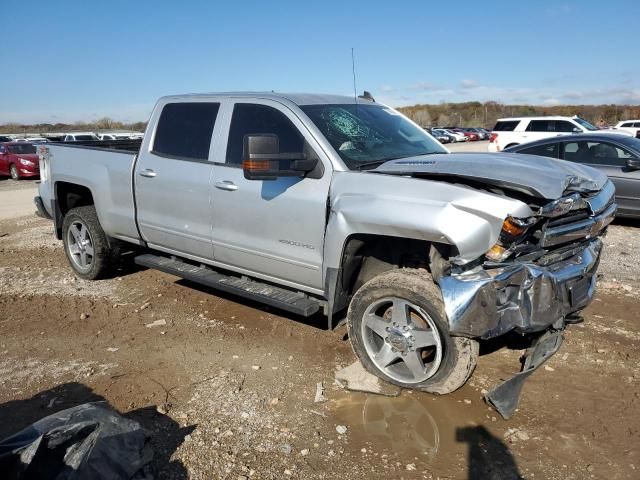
pixel 13 171
pixel 85 243
pixel 399 331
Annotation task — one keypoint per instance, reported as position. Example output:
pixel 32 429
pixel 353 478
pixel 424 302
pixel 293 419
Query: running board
pixel 294 302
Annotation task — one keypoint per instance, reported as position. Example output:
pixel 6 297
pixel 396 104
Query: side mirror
pixel 263 160
pixel 576 130
pixel 633 163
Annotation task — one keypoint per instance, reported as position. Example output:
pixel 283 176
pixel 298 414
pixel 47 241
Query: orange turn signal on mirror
pixel 256 165
pixel 510 227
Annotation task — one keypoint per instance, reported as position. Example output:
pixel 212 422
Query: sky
pixel 67 60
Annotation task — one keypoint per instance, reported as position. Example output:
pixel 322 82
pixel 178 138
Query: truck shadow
pixel 488 457
pixel 318 320
pixel 165 434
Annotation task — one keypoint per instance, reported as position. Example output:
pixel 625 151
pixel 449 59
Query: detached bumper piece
pixel 506 396
pixel 525 296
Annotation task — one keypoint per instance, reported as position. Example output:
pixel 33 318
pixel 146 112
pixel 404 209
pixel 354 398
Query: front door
pixel 173 179
pixel 611 159
pixel 272 229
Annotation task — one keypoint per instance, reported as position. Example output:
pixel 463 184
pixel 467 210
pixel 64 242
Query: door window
pixel 564 126
pixel 596 153
pixel 550 150
pixel 541 126
pixel 249 118
pixel 184 130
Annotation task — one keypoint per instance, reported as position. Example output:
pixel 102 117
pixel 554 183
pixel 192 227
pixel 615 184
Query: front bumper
pixel 525 296
pixel 40 210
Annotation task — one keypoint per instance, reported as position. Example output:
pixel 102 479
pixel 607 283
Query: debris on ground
pixel 156 323
pixel 98 443
pixel 319 398
pixel 356 378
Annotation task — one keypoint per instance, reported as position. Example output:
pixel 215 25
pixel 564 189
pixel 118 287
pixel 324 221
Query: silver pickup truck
pixel 342 205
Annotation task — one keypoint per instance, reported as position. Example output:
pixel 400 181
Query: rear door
pixel 271 229
pixel 611 159
pixel 173 179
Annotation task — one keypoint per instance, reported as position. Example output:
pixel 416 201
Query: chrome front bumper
pixel 525 296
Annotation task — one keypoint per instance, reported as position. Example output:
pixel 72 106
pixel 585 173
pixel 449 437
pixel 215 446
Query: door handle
pixel 226 185
pixel 148 173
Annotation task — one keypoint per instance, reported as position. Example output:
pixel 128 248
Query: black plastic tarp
pixel 90 441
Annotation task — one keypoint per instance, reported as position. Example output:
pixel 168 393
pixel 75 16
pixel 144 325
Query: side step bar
pixel 294 302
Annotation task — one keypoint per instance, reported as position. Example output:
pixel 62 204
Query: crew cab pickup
pixel 320 203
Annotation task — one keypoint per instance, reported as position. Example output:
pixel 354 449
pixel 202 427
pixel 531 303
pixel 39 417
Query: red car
pixel 19 160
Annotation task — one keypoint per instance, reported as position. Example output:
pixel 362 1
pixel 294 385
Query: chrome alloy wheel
pixel 80 246
pixel 402 340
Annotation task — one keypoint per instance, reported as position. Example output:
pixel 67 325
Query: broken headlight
pixel 513 230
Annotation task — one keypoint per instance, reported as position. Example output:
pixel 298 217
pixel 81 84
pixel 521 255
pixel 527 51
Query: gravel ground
pixel 226 388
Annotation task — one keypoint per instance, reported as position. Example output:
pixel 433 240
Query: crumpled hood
pixel 537 176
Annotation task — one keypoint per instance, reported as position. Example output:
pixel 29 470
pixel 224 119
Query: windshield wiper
pixel 366 165
pixel 377 163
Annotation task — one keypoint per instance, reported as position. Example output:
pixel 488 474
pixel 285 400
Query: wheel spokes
pixel 385 356
pixel 89 249
pixel 414 363
pixel 378 324
pixel 400 312
pixel 74 249
pixel 423 338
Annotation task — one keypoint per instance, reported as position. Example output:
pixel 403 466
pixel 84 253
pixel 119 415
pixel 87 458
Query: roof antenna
pixel 353 68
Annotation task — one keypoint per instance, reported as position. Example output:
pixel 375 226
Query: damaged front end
pixel 534 284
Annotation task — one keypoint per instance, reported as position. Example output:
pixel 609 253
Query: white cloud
pixel 466 83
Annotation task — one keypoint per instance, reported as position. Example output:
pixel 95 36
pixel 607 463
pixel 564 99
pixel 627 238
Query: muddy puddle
pixel 424 429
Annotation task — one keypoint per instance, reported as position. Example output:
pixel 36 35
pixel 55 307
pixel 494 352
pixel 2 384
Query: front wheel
pixel 85 243
pixel 13 171
pixel 399 331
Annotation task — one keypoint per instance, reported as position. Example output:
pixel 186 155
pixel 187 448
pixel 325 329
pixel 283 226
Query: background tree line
pixel 101 124
pixel 476 114
pixel 466 114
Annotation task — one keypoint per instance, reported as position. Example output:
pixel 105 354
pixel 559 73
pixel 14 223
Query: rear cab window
pixel 184 130
pixel 506 125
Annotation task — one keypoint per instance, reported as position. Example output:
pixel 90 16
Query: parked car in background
pixel 34 140
pixel 471 136
pixel 80 136
pixel 106 136
pixel 509 132
pixel 4 138
pixel 481 133
pixel 441 136
pixel 19 160
pixel 631 126
pixel 617 156
pixel 458 137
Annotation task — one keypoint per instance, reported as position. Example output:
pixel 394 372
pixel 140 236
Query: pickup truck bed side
pixel 107 175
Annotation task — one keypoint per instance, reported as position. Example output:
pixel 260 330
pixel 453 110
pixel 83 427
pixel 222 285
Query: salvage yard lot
pixel 227 387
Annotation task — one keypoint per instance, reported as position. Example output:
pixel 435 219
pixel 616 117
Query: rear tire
pixel 13 171
pixel 86 245
pixel 411 348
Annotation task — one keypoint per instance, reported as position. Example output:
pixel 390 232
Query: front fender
pixel 440 212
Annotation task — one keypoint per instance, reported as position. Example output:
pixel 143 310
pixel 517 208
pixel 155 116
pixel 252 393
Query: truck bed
pixel 105 169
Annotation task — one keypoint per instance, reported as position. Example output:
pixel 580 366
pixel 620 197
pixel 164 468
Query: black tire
pixel 104 255
pixel 416 287
pixel 13 171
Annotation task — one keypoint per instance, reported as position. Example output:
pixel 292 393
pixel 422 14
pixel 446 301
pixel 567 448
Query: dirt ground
pixel 226 388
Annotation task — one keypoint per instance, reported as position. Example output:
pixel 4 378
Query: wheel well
pixel 70 195
pixel 366 256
